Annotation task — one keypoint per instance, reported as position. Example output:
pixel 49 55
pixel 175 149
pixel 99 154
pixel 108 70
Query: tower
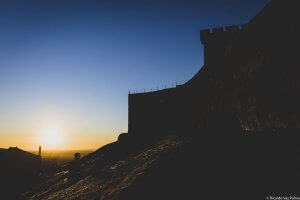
pixel 40 151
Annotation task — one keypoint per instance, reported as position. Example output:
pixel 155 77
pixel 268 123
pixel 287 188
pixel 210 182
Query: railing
pixel 157 88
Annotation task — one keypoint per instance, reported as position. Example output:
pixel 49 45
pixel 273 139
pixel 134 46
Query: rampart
pixel 157 113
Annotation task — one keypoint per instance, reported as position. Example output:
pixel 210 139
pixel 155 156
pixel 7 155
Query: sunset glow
pixel 52 137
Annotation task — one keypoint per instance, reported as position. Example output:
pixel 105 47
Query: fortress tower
pixel 218 40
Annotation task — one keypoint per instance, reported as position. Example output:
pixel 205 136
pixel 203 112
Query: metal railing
pixel 157 88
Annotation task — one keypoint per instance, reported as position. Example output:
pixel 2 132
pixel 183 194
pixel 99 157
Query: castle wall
pixel 161 112
pixel 173 110
pixel 150 110
pixel 249 82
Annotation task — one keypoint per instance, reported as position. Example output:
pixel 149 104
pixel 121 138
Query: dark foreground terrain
pixel 18 171
pixel 173 167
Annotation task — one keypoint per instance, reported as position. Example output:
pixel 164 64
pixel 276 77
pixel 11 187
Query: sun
pixel 52 137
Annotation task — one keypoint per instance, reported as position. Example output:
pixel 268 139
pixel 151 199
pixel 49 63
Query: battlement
pixel 220 32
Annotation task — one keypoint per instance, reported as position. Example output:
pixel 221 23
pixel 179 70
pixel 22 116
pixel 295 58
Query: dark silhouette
pixel 40 151
pixel 74 166
pixel 18 171
pixel 250 72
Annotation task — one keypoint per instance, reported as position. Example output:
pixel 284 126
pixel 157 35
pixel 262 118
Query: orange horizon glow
pixel 84 145
pixel 57 131
pixel 54 138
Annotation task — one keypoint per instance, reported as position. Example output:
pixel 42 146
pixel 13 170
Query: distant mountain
pixel 15 152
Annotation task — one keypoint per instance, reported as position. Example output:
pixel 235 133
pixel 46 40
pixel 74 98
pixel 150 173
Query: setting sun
pixel 52 137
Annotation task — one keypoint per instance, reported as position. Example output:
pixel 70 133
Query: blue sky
pixel 72 63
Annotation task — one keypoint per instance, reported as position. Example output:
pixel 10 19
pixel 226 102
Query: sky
pixel 66 66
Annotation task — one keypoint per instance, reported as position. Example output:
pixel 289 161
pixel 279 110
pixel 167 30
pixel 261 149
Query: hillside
pixel 114 172
pixel 179 168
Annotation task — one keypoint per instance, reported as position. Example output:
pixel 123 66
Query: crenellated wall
pixel 219 33
pixel 218 40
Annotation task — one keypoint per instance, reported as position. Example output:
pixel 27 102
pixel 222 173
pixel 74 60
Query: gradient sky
pixel 70 63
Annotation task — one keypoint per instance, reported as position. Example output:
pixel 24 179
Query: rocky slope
pixel 111 173
pixel 251 167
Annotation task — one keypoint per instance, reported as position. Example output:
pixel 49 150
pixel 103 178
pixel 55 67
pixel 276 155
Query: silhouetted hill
pixel 18 170
pixel 17 155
